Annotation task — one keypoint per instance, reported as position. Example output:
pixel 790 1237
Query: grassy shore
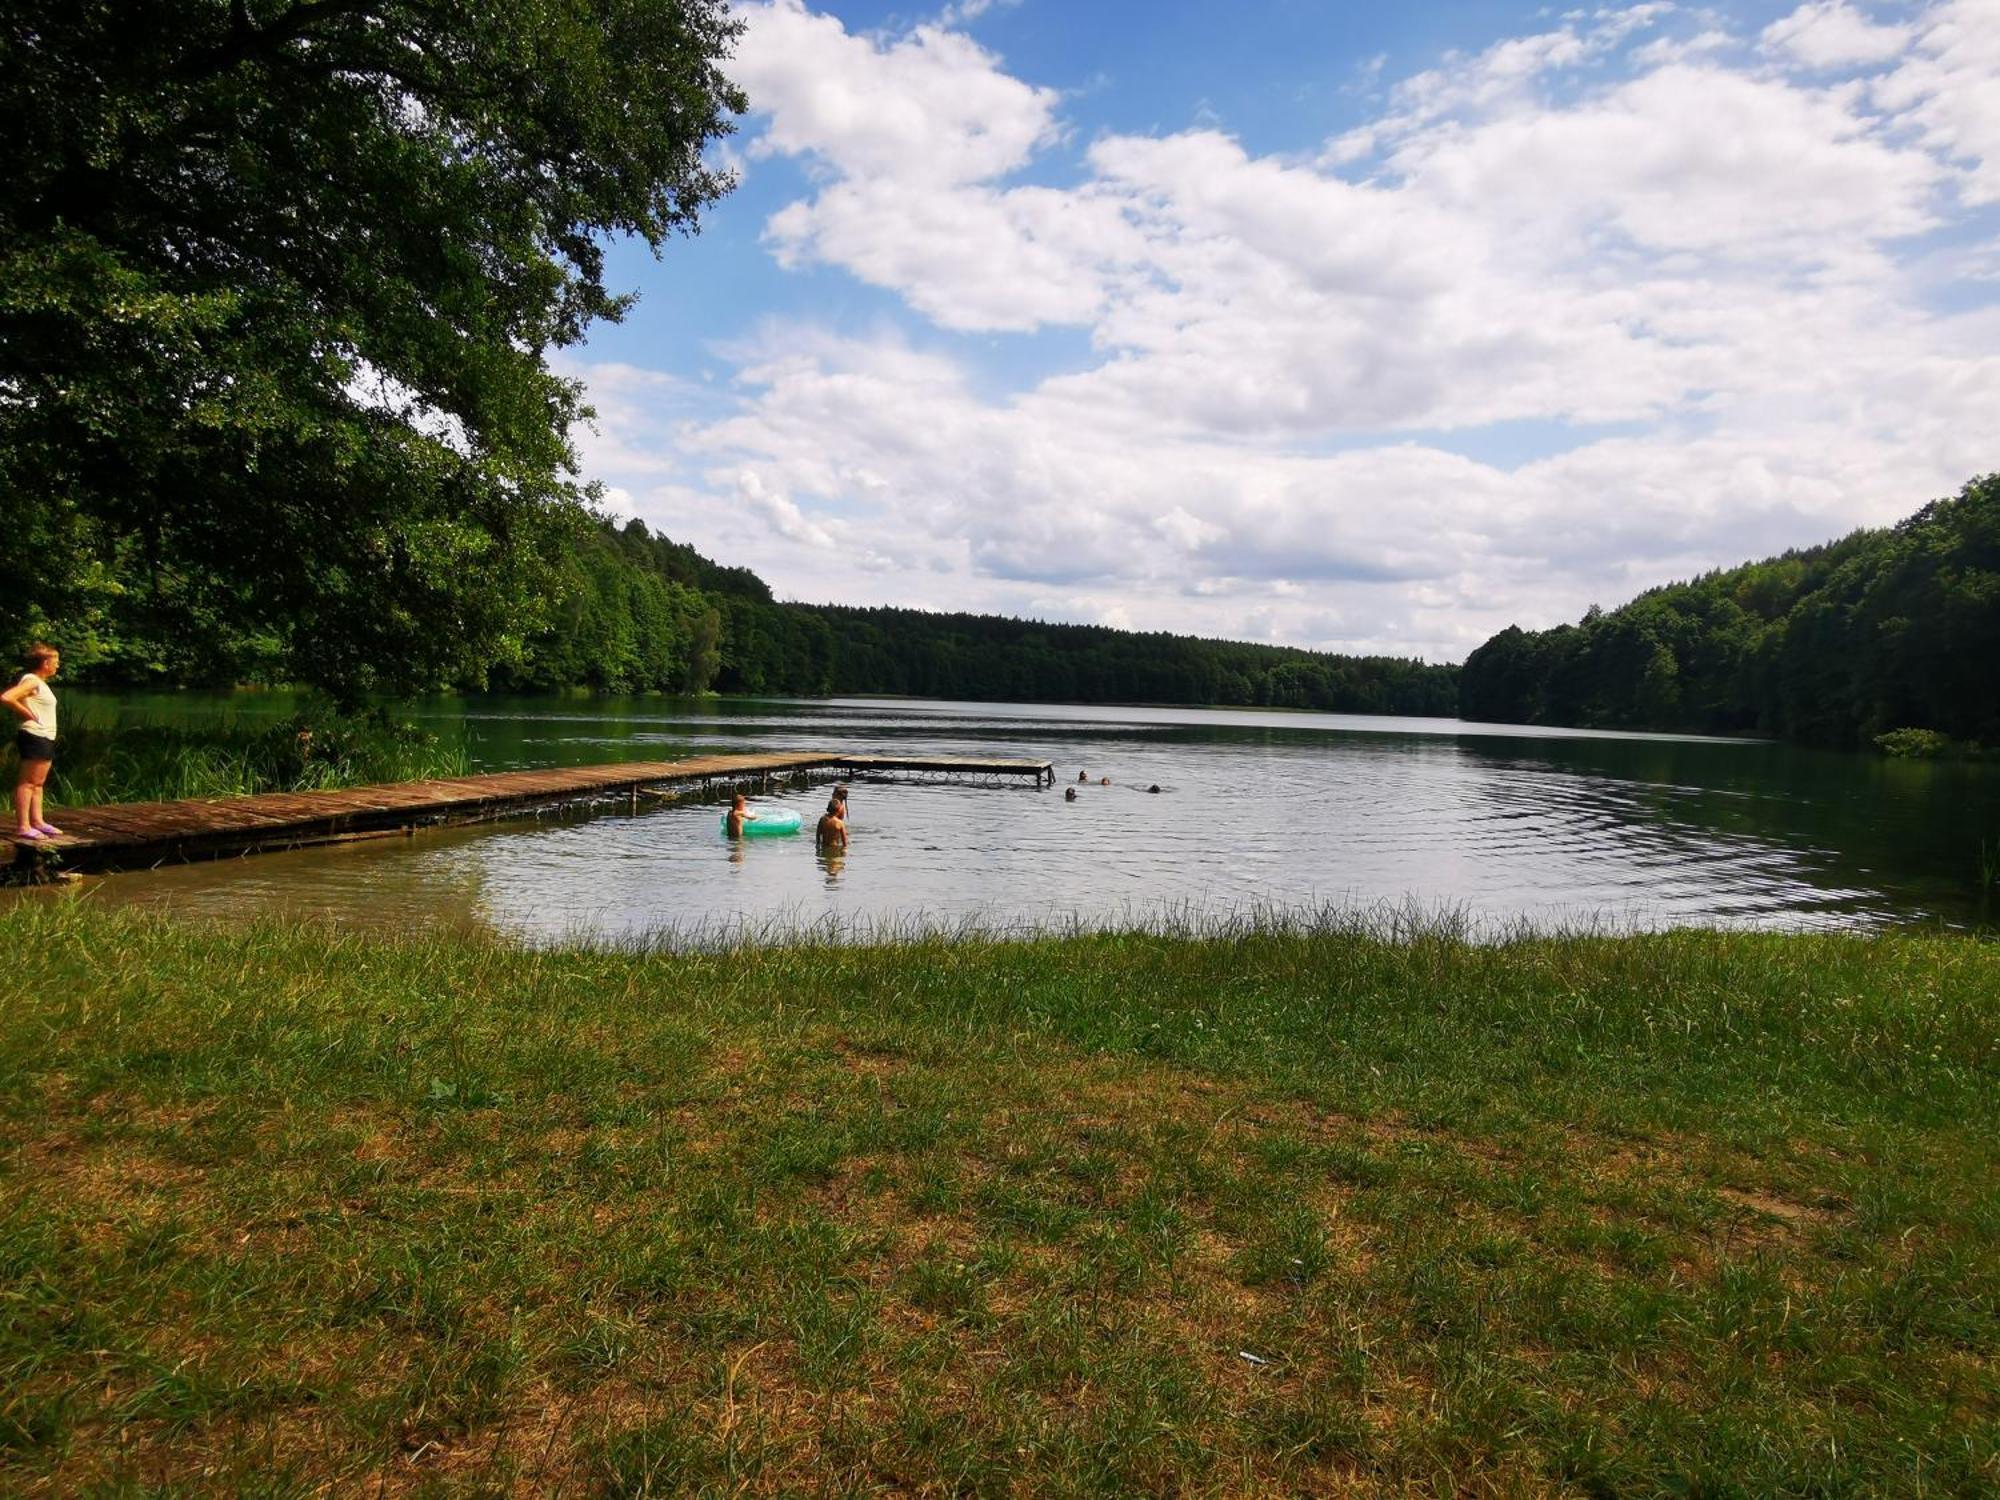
pixel 288 1211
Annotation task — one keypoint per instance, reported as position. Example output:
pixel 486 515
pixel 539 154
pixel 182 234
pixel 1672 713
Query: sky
pixel 1370 328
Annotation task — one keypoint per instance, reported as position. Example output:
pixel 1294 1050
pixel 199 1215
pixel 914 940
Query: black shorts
pixel 34 746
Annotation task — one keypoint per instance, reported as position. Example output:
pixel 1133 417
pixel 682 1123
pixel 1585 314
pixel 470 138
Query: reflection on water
pixel 1264 809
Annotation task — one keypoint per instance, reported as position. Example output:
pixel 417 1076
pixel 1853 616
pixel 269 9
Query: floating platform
pixel 129 835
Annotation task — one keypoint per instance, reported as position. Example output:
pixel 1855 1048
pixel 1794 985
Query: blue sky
pixel 1364 327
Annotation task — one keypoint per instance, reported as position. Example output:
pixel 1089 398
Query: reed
pixel 143 761
pixel 1309 1208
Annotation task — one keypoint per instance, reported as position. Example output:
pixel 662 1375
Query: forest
pixel 644 613
pixel 1886 629
pixel 636 612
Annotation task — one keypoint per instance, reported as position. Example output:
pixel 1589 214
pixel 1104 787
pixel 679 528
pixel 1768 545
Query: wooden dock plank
pixel 103 837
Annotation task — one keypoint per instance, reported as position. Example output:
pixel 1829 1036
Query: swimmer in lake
pixel 840 796
pixel 739 814
pixel 1069 794
pixel 1154 787
pixel 831 834
pixel 1083 776
pixel 1104 781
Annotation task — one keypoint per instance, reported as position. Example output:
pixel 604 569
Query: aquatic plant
pixel 1915 744
pixel 144 761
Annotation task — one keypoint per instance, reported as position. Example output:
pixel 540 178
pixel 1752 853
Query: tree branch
pixel 247 41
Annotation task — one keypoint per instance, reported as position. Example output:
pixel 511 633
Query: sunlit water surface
pixel 1500 824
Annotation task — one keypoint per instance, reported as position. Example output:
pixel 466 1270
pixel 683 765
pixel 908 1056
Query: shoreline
pixel 1471 727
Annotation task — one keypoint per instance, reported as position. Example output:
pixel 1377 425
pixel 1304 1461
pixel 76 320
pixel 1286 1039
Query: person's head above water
pixel 833 806
pixel 740 801
pixel 1083 775
pixel 1069 795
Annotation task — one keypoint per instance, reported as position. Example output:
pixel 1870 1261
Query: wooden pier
pixel 127 835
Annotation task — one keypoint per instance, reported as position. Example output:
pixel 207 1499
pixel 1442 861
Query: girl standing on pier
pixel 36 741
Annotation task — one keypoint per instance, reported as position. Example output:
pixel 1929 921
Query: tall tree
pixel 278 282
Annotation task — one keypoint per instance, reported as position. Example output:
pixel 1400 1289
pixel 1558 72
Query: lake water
pixel 1258 810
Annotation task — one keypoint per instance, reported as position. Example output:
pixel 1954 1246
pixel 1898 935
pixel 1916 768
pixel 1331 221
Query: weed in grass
pixel 600 1345
pixel 1315 1426
pixel 1288 1246
pixel 30 1418
pixel 834 1337
pixel 938 1281
pixel 669 1454
pixel 932 1185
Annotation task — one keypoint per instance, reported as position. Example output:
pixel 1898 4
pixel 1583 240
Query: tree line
pixel 1882 630
pixel 1886 629
pixel 636 612
pixel 643 613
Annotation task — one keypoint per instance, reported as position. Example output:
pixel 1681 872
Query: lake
pixel 1258 810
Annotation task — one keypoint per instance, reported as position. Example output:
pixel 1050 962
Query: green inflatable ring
pixel 767 821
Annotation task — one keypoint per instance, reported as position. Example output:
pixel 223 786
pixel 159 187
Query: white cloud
pixel 1697 289
pixel 962 11
pixel 1689 157
pixel 1833 34
pixel 932 106
pixel 1669 49
pixel 965 258
pixel 1948 89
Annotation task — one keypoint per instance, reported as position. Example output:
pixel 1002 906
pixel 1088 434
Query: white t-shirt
pixel 41 703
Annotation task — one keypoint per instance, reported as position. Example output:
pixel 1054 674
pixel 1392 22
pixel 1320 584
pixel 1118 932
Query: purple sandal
pixel 29 835
pixel 48 830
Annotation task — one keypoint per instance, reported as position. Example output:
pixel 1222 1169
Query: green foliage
pixel 312 751
pixel 837 649
pixel 278 279
pixel 1834 645
pixel 1915 744
pixel 640 613
pixel 645 613
pixel 630 619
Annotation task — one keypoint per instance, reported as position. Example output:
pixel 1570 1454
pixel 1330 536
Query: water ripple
pixel 1260 810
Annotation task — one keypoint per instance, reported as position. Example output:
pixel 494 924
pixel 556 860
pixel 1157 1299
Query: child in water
pixel 739 814
pixel 831 833
pixel 35 741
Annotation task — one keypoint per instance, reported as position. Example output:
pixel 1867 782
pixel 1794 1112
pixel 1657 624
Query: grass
pixel 289 1211
pixel 133 762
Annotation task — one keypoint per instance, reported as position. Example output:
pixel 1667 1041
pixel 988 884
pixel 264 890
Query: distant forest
pixel 646 613
pixel 1881 630
pixel 641 613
